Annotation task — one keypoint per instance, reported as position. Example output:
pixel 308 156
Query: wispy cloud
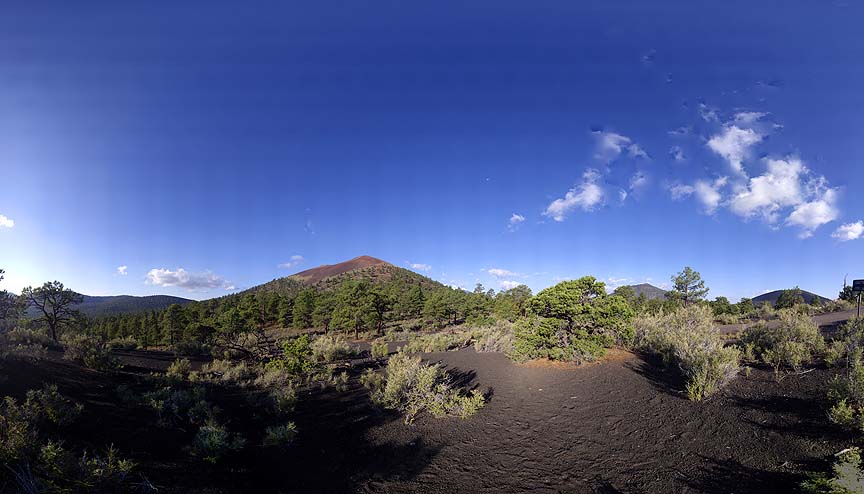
pixel 586 196
pixel 6 222
pixel 189 281
pixel 611 145
pixel 419 266
pixel 294 261
pixel 121 270
pixel 677 153
pixel 500 273
pixel 706 192
pixel 508 284
pixel 849 231
pixel 515 221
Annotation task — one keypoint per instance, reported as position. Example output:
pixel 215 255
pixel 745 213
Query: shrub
pixel 379 349
pixel 412 386
pixel 179 406
pixel 846 393
pixel 280 435
pixel 179 370
pixel 25 343
pixel 438 342
pixel 224 371
pixel 791 343
pixel 296 356
pixel 846 477
pixel 191 348
pixel 686 339
pixel 89 351
pixel 125 343
pixel 330 348
pixel 498 338
pixel 20 423
pixel 212 442
pixel 728 318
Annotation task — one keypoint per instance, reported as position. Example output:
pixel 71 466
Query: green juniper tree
pixel 687 287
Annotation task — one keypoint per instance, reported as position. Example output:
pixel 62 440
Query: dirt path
pixel 617 426
pixel 614 427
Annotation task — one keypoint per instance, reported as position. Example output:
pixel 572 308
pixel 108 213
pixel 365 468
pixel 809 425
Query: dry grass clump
pixel 497 338
pixel 411 386
pixel 685 338
pixel 331 347
pixel 438 342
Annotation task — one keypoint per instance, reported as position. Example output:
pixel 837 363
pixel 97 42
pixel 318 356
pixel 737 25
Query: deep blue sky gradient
pixel 225 138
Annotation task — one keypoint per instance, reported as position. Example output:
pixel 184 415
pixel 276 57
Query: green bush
pixel 412 386
pixel 330 348
pixel 791 343
pixel 545 337
pixel 212 442
pixel 125 343
pixel 180 406
pixel 89 351
pixel 686 339
pixel 225 372
pixel 280 435
pixel 296 358
pixel 846 477
pixel 20 424
pixel 379 349
pixel 573 321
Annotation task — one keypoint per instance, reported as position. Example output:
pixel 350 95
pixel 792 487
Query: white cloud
pixel 811 215
pixel 121 270
pixel 679 132
pixel 419 267
pixel 6 222
pixel 734 144
pixel 514 222
pixel 849 231
pixel 587 195
pixel 184 279
pixel 787 183
pixel 767 194
pixel 611 145
pixel 508 285
pixel 622 195
pixel 707 192
pixel 500 273
pixel 295 260
pixel 677 153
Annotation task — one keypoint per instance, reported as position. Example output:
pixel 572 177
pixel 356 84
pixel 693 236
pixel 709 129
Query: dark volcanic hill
pixel 329 276
pixel 771 297
pixel 651 292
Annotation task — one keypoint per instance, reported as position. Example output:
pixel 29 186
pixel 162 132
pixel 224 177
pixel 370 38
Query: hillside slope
pixel 651 292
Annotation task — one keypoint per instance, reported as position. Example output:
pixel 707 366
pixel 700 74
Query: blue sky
pixel 207 147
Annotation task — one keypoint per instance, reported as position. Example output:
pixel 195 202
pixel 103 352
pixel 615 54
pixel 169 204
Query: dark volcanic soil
pixel 618 426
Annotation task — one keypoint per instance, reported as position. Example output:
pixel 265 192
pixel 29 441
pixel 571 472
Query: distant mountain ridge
pixel 771 297
pixel 110 305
